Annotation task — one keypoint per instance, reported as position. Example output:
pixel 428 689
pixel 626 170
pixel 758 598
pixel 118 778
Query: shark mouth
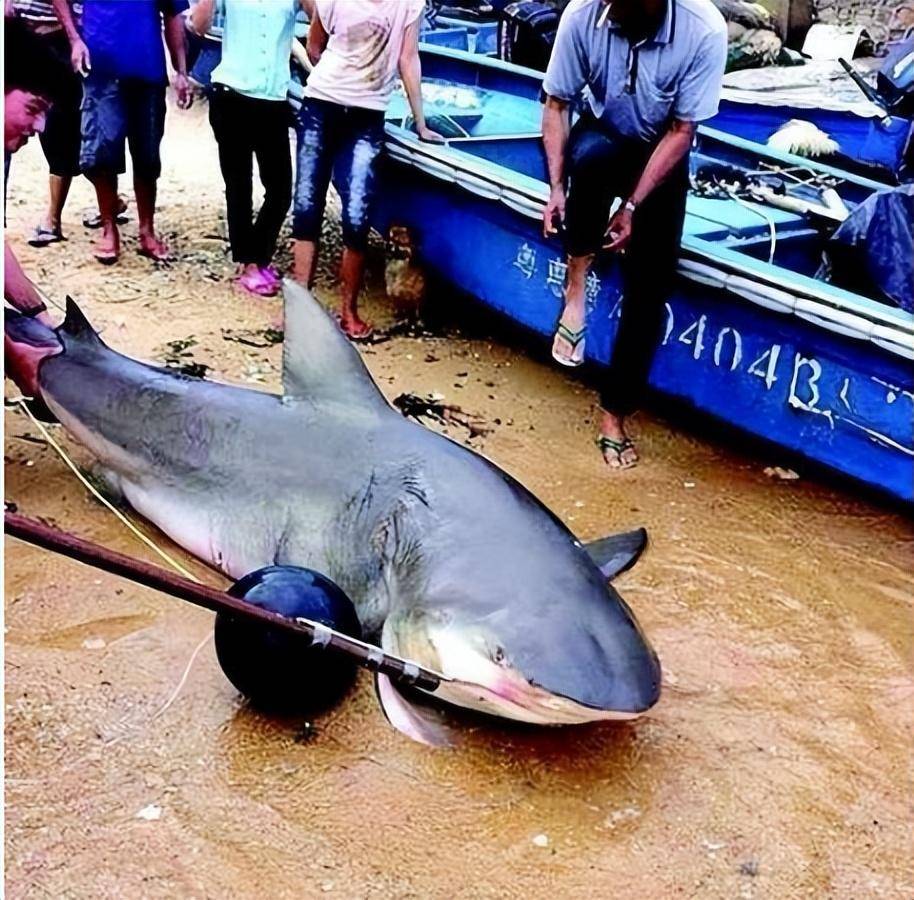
pixel 476 682
pixel 524 703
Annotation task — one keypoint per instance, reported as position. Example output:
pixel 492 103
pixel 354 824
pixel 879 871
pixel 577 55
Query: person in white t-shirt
pixel 358 48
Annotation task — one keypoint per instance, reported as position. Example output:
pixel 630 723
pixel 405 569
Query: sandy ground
pixel 777 764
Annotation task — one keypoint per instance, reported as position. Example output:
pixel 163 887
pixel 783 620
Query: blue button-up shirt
pixel 637 89
pixel 256 45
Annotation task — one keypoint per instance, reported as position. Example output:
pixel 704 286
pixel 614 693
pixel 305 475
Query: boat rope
pixel 760 211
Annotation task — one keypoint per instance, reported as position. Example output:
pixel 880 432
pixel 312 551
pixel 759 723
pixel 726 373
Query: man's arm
pixel 176 42
pixel 201 16
pixel 317 36
pixel 79 52
pixel 556 128
pixel 411 75
pixel 18 289
pixel 673 148
pixel 566 78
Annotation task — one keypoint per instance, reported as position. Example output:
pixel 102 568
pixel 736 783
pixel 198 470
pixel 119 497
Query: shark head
pixel 547 641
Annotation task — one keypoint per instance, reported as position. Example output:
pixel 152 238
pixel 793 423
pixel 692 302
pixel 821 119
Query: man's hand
pixel 79 57
pixel 619 231
pixel 555 210
pixel 184 91
pixel 429 135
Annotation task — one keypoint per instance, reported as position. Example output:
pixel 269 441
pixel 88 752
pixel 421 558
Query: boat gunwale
pixel 804 287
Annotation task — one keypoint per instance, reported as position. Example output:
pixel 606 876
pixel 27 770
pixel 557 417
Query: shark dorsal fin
pixel 318 361
pixel 75 324
pixel 618 552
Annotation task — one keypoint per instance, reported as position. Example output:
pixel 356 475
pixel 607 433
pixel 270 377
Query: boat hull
pixel 833 399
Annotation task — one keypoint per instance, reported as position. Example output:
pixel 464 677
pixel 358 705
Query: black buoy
pixel 280 671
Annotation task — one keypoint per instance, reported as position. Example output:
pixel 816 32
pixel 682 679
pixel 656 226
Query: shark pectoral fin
pixel 617 553
pixel 414 717
pixel 317 359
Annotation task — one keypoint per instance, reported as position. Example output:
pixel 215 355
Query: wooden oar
pixel 367 655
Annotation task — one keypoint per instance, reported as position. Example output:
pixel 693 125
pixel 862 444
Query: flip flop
pixel 154 256
pixel 106 257
pixel 363 337
pixel 255 283
pixel 94 220
pixel 607 445
pixel 42 236
pixel 576 340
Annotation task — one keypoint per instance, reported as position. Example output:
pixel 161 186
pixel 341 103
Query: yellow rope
pixel 98 496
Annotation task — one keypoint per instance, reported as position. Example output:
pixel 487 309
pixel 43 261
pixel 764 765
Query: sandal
pixel 360 337
pixel 254 283
pixel 608 445
pixel 42 236
pixel 576 340
pixel 94 219
pixel 106 256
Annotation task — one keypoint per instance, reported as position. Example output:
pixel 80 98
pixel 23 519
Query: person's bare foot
pixel 355 328
pixel 153 247
pixel 615 445
pixel 107 248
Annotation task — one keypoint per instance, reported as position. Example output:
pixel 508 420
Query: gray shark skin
pixel 449 560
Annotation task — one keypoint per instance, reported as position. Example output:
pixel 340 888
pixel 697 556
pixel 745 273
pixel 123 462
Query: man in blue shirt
pixel 643 73
pixel 120 53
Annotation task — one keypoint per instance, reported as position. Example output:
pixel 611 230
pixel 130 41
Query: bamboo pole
pixel 149 575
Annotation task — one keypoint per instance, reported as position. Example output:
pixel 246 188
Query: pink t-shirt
pixel 359 64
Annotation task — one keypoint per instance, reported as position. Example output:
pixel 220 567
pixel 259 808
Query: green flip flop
pixel 608 445
pixel 576 340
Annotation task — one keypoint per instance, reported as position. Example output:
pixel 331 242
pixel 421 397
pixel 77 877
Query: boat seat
pixel 721 219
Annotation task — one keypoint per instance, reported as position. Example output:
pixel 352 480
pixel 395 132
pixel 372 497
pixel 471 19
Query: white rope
pixel 104 500
pixel 136 531
pixel 772 228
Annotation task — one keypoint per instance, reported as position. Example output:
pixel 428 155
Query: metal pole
pixel 367 655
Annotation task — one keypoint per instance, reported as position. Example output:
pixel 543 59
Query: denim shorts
pixel 342 144
pixel 119 110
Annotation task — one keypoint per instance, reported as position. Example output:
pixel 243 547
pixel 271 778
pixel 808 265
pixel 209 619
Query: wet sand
pixel 778 762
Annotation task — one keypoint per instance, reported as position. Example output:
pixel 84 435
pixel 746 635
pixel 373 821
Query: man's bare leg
pixel 574 313
pixel 304 262
pixel 108 244
pixel 59 189
pixel 150 243
pixel 352 269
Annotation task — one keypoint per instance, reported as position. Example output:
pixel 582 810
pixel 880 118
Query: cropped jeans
pixel 342 144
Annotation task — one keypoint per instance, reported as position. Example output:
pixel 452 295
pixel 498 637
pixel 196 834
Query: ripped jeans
pixel 341 143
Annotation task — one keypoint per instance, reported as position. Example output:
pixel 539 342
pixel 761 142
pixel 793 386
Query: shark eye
pixel 499 657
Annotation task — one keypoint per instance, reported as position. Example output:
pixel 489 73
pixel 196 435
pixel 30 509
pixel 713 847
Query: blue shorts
pixel 119 110
pixel 342 144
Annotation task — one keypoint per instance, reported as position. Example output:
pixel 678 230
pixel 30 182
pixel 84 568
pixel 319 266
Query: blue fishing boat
pixel 870 124
pixel 752 337
pixel 458 34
